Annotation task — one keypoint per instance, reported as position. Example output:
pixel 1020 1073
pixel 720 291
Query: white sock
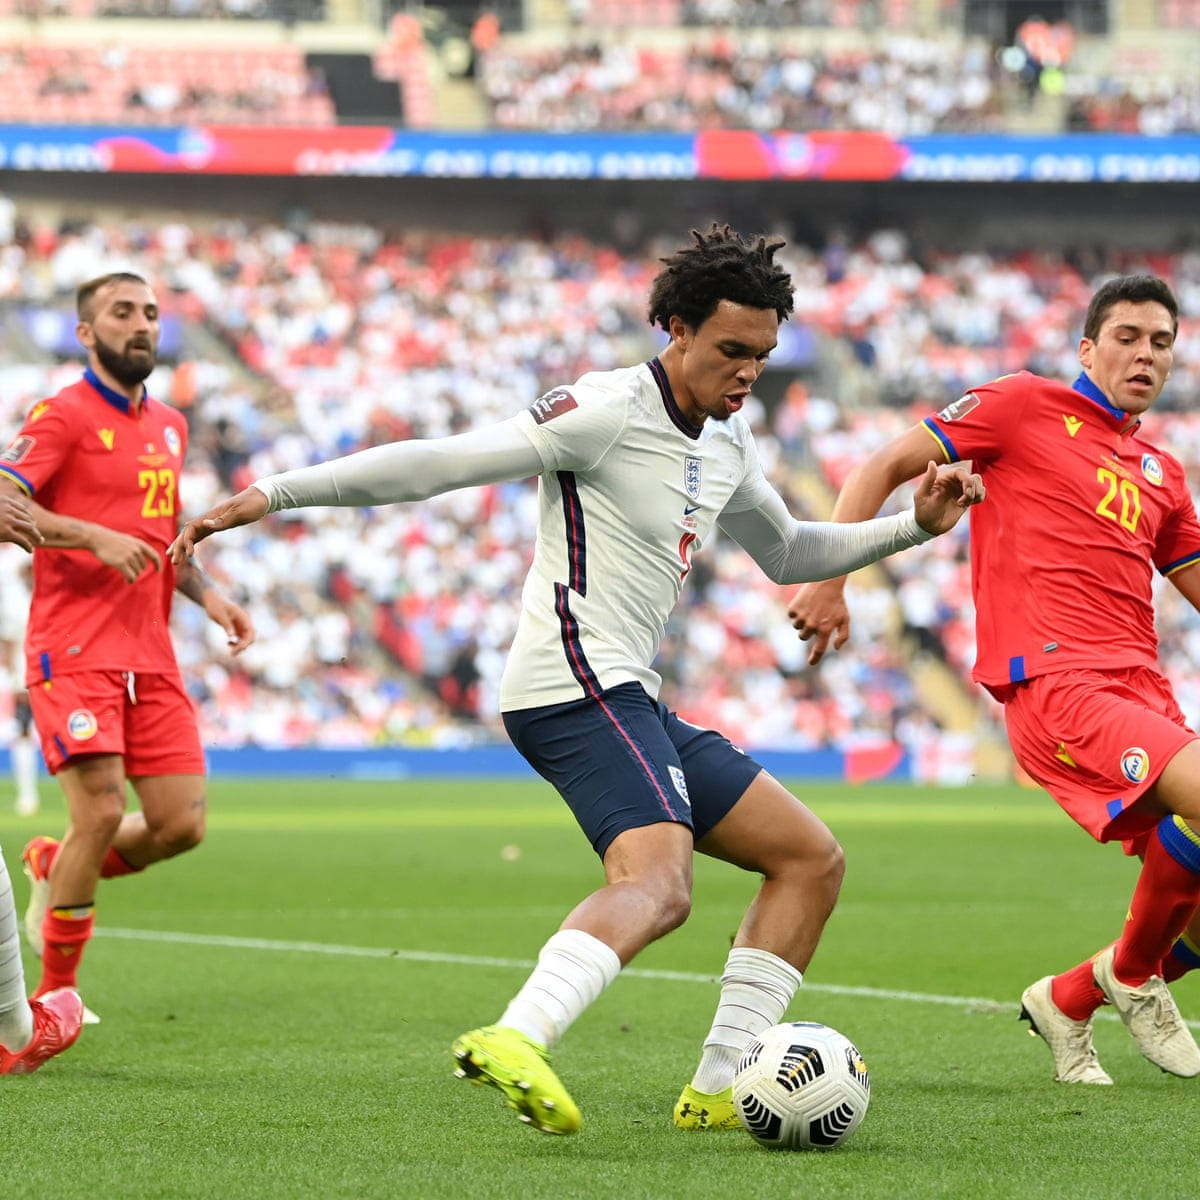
pixel 16 1019
pixel 756 989
pixel 23 757
pixel 572 970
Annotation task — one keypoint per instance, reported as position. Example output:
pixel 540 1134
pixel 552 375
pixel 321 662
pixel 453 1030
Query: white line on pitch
pixel 524 964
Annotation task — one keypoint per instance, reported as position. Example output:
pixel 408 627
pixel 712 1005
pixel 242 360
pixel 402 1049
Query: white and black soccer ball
pixel 801 1086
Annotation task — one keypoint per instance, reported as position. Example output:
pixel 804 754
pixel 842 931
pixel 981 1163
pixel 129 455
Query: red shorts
pixel 1097 741
pixel 147 718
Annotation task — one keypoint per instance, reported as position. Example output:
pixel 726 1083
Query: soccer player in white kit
pixel 636 467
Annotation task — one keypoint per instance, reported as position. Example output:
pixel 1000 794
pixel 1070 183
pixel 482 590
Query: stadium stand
pixel 293 341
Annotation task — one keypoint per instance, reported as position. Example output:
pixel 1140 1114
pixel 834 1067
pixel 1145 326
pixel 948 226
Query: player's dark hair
pixel 1137 289
pixel 719 265
pixel 87 291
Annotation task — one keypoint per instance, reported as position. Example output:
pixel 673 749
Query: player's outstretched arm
pixel 248 506
pixel 818 610
pixel 944 495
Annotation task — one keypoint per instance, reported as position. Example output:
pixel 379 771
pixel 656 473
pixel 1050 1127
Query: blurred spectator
pixel 391 624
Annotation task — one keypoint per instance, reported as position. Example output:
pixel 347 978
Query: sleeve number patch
pixel 159 492
pixel 1122 492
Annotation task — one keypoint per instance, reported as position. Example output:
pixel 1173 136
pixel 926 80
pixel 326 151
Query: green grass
pixel 297 1046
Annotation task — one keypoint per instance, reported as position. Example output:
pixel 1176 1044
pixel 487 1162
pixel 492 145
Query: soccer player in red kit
pixel 101 462
pixel 1081 510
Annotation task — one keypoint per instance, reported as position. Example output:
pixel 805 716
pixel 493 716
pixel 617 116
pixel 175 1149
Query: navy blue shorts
pixel 622 760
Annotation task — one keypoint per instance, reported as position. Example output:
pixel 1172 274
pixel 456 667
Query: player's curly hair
pixel 1138 289
pixel 87 291
pixel 719 265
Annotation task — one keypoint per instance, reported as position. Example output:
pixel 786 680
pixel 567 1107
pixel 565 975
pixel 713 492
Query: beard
pixel 123 366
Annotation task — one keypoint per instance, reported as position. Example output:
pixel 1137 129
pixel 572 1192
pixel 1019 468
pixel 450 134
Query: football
pixel 801 1086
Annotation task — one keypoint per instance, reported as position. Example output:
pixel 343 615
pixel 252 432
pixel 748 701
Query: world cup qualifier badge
pixel 1135 764
pixel 1152 470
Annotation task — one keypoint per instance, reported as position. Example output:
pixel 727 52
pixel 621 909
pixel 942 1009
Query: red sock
pixel 115 865
pixel 1075 993
pixel 1164 901
pixel 65 932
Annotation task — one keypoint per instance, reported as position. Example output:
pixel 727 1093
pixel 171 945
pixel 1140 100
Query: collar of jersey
pixel 1086 387
pixel 673 411
pixel 107 393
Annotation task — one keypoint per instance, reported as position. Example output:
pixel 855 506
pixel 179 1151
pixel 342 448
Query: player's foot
pixel 57 1019
pixel 521 1069
pixel 1152 1018
pixel 698 1110
pixel 1070 1041
pixel 37 857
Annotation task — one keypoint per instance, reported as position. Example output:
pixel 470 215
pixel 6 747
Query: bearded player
pixel 101 460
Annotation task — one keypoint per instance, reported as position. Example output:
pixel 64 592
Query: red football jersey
pixel 1077 516
pixel 88 453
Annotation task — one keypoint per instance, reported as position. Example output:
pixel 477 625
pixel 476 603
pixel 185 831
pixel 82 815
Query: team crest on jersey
pixel 691 475
pixel 38 410
pixel 107 436
pixel 18 449
pixel 960 407
pixel 1152 469
pixel 82 725
pixel 552 404
pixel 171 437
pixel 680 781
pixel 1135 764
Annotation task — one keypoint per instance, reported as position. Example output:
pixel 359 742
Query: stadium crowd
pixel 391 624
pixel 755 80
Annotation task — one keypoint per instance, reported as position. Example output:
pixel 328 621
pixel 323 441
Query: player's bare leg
pixel 171 820
pixel 768 831
pixel 64 895
pixel 647 893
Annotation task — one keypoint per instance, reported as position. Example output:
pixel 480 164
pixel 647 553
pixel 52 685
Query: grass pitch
pixel 277 1010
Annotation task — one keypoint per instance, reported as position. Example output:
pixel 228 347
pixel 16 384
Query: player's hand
pixel 16 522
pixel 944 495
pixel 818 611
pixel 235 620
pixel 245 508
pixel 124 553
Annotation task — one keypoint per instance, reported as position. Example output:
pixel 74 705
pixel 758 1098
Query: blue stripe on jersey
pixel 1114 808
pixel 569 629
pixel 18 479
pixel 61 748
pixel 1180 563
pixel 44 659
pixel 576 539
pixel 942 440
pixel 669 403
pixel 1016 669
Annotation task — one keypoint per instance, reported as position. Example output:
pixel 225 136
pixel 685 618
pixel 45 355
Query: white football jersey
pixel 630 490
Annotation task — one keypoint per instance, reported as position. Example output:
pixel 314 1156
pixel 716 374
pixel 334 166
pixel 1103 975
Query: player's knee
pixel 674 904
pixel 183 832
pixel 819 864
